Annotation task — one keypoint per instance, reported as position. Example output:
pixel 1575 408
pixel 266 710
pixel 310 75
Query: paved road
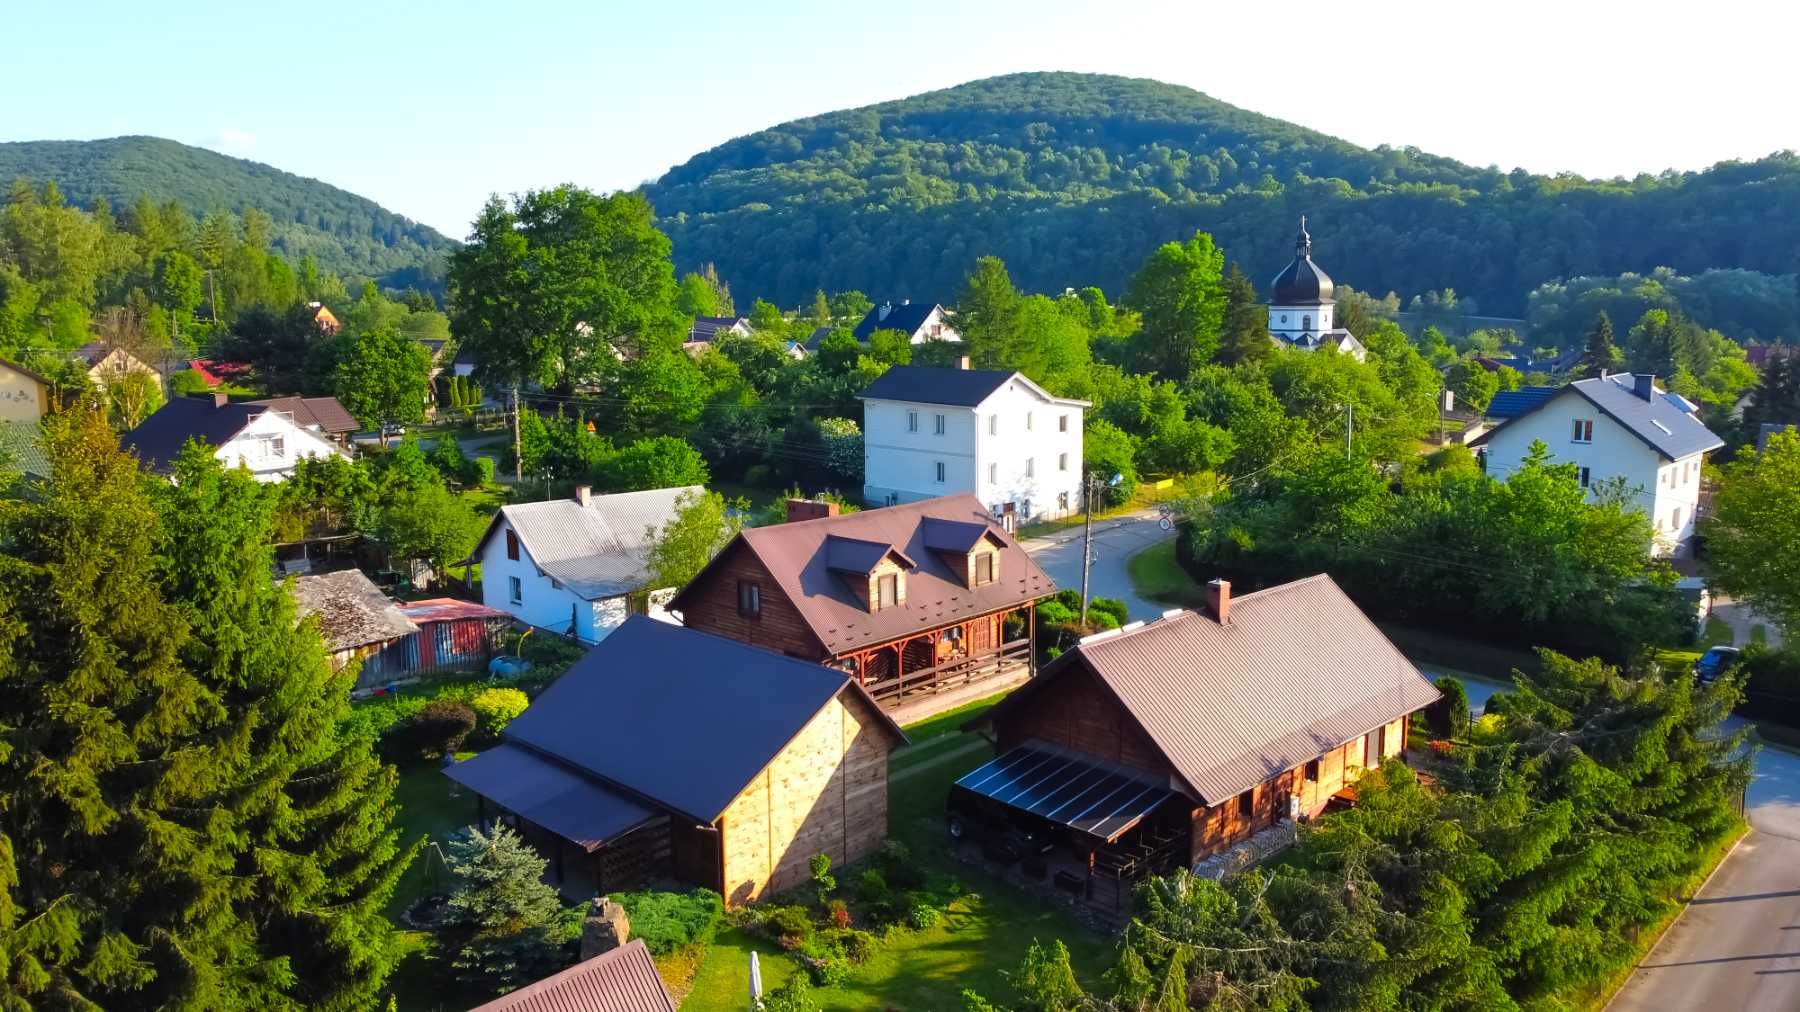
pixel 1115 540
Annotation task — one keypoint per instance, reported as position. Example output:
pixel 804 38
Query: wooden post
pixel 1031 638
pixel 900 669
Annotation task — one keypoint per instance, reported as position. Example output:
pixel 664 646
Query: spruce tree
pixel 1601 352
pixel 1245 336
pixel 505 914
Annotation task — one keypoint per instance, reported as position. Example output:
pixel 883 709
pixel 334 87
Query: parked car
pixel 1715 662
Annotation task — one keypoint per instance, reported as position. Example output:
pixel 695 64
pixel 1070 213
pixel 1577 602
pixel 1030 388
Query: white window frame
pixel 1062 462
pixel 515 589
pixel 912 421
pixel 993 474
pixel 1583 431
pixel 993 425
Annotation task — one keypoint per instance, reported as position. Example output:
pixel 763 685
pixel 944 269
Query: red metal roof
pixel 215 372
pixel 623 980
pixel 447 609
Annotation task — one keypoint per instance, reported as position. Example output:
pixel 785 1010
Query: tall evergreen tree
pixel 1245 334
pixel 1601 352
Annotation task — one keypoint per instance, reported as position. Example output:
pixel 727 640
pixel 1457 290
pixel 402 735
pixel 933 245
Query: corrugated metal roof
pixel 796 555
pixel 623 980
pixel 22 450
pixel 597 550
pixel 324 413
pixel 1513 403
pixel 678 716
pixel 1298 671
pixel 1086 794
pixel 1664 421
pixel 352 611
pixel 570 804
pixel 447 609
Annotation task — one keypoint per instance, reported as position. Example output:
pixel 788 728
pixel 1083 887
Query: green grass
pixel 1717 633
pixel 1759 633
pixel 950 721
pixel 428 810
pixel 1156 575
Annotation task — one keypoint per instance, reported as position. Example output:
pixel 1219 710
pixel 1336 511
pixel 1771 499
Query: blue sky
pixel 427 108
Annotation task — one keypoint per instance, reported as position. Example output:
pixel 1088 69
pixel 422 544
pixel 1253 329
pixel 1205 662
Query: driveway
pixel 1115 540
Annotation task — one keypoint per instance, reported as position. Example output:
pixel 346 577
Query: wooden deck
pixel 1011 659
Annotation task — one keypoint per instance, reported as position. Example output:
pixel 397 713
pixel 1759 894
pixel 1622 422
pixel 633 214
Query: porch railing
pixel 952 672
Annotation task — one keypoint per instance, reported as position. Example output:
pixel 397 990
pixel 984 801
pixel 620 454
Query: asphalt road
pixel 1736 947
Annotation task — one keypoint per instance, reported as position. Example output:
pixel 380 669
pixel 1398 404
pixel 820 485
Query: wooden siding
pixel 826 792
pixel 1077 712
pixel 712 606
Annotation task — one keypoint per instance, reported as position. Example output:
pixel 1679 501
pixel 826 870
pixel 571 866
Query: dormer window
pixel 984 568
pixel 887 591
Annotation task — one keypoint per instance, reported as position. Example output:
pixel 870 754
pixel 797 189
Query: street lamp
pixel 1089 490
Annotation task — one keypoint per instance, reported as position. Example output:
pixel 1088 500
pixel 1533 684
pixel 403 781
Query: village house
pixel 265 439
pixel 1160 744
pixel 24 394
pixel 355 618
pixel 323 318
pixel 1620 427
pixel 926 604
pixel 921 322
pixel 572 565
pixel 621 980
pixel 670 752
pixel 1301 306
pixel 707 329
pixel 107 363
pixel 991 433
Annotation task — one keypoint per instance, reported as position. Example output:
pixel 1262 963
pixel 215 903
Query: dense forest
pixel 344 233
pixel 1073 178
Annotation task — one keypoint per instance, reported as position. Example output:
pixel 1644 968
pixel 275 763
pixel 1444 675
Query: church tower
pixel 1300 303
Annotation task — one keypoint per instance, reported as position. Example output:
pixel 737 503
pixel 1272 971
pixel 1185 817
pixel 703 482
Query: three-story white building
pixel 1621 426
pixel 930 432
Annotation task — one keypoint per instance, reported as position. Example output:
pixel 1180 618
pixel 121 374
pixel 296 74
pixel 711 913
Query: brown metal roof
pixel 326 413
pixel 797 555
pixel 1298 671
pixel 623 980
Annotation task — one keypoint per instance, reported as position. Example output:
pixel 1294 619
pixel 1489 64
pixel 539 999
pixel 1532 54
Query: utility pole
pixel 518 458
pixel 1349 426
pixel 1087 541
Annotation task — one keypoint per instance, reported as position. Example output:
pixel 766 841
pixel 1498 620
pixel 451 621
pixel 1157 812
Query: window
pixel 1582 473
pixel 515 590
pixel 749 599
pixel 940 472
pixel 1062 423
pixel 1283 317
pixel 1030 467
pixel 912 421
pixel 1062 462
pixel 1306 323
pixel 279 446
pixel 937 424
pixel 993 425
pixel 887 591
pixel 1062 501
pixel 512 545
pixel 993 474
pixel 1027 421
pixel 984 568
pixel 1247 803
pixel 1675 520
pixel 1374 745
pixel 1584 431
pixel 1312 772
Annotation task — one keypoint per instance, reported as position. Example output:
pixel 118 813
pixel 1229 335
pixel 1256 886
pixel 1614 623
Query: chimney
pixel 810 509
pixel 1218 598
pixel 882 313
pixel 584 494
pixel 906 302
pixel 1644 385
pixel 963 363
pixel 220 400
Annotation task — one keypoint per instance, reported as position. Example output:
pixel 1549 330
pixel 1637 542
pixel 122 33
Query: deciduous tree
pixel 1179 293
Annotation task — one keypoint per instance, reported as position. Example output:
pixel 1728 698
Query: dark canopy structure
pixel 577 808
pixel 1080 792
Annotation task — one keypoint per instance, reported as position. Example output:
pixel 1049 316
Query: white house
pixel 1301 306
pixel 570 566
pixel 922 322
pixel 931 432
pixel 1621 426
pixel 261 437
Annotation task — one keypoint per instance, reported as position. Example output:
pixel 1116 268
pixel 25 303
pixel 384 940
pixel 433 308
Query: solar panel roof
pixel 1075 791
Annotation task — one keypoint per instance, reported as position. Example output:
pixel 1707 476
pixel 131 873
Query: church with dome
pixel 1300 306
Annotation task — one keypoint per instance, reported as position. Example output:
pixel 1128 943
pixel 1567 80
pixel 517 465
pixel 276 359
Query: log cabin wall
pixel 825 793
pixel 1076 712
pixel 713 607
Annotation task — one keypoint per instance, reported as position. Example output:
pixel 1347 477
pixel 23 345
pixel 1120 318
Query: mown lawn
pixel 1156 575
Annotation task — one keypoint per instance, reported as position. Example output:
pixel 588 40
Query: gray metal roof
pixel 352 611
pixel 326 414
pixel 1298 671
pixel 1664 421
pixel 575 807
pixel 598 550
pixel 623 980
pixel 925 384
pixel 22 450
pixel 677 716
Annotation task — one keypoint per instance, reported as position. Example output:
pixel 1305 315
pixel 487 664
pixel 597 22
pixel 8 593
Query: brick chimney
pixel 584 494
pixel 1218 598
pixel 1644 385
pixel 220 400
pixel 810 509
pixel 963 363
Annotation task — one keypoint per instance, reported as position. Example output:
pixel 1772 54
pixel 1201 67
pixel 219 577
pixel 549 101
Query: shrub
pixel 497 707
pixel 921 914
pixel 872 886
pixel 671 921
pixel 187 383
pixel 481 472
pixel 828 971
pixel 859 945
pixel 898 867
pixel 1450 716
pixel 785 922
pixel 823 881
pixel 793 996
pixel 1109 606
pixel 436 730
pixel 759 475
pixel 838 913
pixel 1046 980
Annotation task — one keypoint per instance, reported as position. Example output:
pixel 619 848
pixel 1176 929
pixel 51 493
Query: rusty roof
pixel 352 611
pixel 798 556
pixel 623 980
pixel 1298 671
pixel 447 609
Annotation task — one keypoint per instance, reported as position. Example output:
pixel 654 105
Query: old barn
pixel 666 751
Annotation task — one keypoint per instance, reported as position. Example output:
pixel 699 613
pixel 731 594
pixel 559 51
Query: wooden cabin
pixel 667 751
pixel 913 601
pixel 1161 744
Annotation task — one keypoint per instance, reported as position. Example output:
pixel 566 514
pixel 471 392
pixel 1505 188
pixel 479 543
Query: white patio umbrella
pixel 755 982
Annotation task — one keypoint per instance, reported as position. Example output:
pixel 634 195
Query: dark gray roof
pixel 1513 403
pixel 933 385
pixel 1666 422
pixel 158 440
pixel 623 980
pixel 677 716
pixel 598 550
pixel 570 804
pixel 707 328
pixel 907 317
pixel 1302 283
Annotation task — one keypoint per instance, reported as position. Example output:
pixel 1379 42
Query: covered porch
pixel 910 672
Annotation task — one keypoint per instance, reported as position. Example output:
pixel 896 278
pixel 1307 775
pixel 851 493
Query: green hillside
pixel 344 233
pixel 1073 178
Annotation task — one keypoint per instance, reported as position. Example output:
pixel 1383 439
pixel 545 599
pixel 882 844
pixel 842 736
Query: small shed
pixel 355 618
pixel 453 635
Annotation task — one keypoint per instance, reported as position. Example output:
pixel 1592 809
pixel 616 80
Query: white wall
pixel 250 448
pixel 1656 486
pixel 543 602
pixel 903 463
pixel 1287 320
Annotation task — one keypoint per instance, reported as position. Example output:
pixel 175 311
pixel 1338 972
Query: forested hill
pixel 1072 179
pixel 344 233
